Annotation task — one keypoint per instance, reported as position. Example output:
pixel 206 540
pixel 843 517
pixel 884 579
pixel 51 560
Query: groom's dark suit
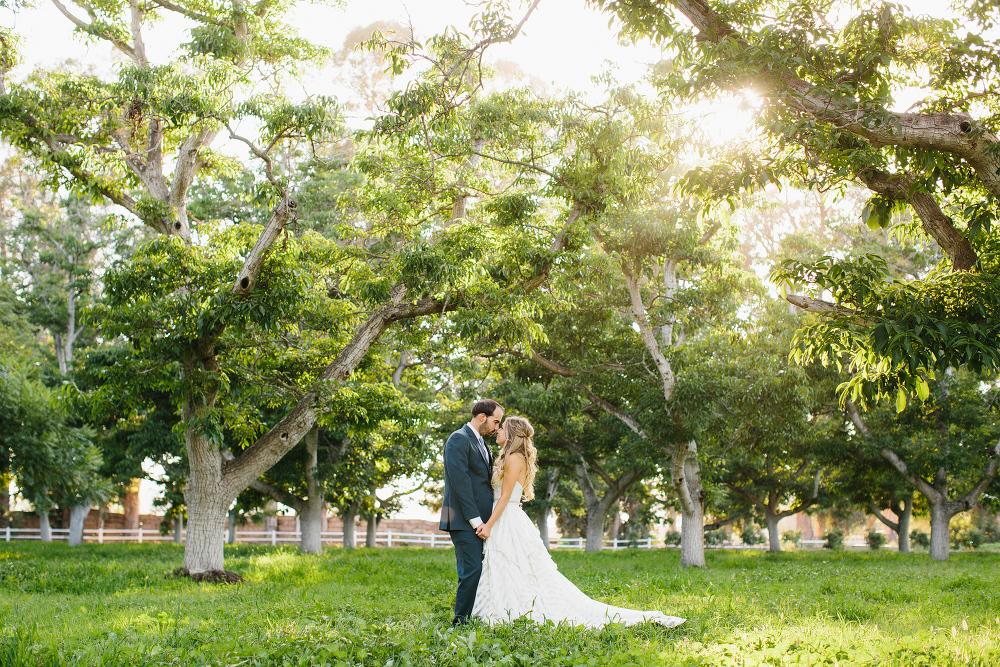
pixel 468 467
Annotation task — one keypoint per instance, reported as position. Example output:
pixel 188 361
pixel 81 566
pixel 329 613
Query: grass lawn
pixel 111 605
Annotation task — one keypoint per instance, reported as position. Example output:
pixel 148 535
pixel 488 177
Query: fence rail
pixel 388 538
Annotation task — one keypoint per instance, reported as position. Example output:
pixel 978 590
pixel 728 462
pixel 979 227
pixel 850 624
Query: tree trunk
pixel 903 534
pixel 543 514
pixel 5 479
pixel 686 478
pixel 693 537
pixel 231 534
pixel 595 527
pixel 311 516
pixel 348 517
pixel 130 503
pixel 77 515
pixel 370 533
pixel 178 528
pixel 206 502
pixel 543 525
pixel 209 492
pixel 940 525
pixel 773 538
pixel 44 530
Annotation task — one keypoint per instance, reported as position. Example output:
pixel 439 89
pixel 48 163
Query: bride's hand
pixel 483 530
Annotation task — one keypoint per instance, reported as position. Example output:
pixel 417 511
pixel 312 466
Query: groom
pixel 468 498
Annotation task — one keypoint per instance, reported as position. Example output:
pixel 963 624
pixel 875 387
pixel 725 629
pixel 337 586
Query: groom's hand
pixel 483 531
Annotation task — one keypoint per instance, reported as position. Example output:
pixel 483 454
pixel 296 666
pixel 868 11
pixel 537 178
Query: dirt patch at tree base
pixel 211 576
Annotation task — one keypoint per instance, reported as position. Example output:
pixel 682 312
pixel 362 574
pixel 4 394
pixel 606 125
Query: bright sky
pixel 564 41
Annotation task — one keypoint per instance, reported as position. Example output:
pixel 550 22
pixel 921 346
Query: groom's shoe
pixel 459 620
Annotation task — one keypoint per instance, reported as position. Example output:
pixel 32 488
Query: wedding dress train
pixel 520 579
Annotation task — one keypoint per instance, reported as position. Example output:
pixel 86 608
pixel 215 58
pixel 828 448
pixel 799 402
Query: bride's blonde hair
pixel 519 434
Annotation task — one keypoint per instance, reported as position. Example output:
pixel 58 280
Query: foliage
pixel 823 93
pixel 368 607
pixel 716 537
pixel 751 535
pixel 834 539
pixel 919 538
pixel 52 461
pixel 876 539
pixel 793 537
pixel 672 538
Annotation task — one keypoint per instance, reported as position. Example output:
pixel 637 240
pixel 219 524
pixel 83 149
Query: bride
pixel 519 577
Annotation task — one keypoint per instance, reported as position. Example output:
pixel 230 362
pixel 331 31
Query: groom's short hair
pixel 487 407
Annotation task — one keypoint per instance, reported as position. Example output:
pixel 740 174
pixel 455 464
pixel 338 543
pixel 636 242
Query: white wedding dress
pixel 520 579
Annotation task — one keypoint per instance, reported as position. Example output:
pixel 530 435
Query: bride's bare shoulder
pixel 517 458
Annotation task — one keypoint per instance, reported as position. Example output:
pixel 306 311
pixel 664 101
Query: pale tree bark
pixel 348 516
pixel 372 527
pixel 178 528
pixel 686 480
pixel 599 505
pixel 44 528
pixel 312 515
pixel 936 491
pixel 770 505
pixel 309 510
pixel 901 526
pixel 130 504
pixel 543 514
pixel 372 518
pixel 234 514
pixel 78 514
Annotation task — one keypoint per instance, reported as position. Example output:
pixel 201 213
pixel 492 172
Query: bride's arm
pixel 515 466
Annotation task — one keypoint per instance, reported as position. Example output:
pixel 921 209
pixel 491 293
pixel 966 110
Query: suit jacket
pixel 467 473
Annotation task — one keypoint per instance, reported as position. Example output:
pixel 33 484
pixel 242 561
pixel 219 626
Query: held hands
pixel 483 530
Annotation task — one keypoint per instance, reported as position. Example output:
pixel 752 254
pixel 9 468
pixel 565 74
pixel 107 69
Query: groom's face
pixel 490 425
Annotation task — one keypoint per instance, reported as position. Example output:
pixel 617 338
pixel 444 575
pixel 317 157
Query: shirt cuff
pixel 476 522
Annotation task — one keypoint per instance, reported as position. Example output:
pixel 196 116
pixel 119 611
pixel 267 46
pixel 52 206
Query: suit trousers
pixel 469 559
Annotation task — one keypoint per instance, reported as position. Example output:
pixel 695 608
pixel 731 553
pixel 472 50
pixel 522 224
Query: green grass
pixel 111 605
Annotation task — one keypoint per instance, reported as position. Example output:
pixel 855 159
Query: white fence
pixel 387 538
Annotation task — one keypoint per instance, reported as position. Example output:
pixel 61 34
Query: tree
pixel 776 426
pixel 872 484
pixel 605 459
pixel 826 118
pixel 180 303
pixel 947 448
pixel 51 461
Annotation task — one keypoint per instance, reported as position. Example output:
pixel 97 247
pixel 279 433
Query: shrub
pixel 919 538
pixel 834 539
pixel 752 536
pixel 792 537
pixel 714 537
pixel 673 538
pixel 876 539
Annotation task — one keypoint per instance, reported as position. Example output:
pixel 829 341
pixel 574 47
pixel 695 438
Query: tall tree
pixel 827 116
pixel 402 255
pixel 947 448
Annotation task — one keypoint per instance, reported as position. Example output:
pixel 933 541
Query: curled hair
pixel 519 434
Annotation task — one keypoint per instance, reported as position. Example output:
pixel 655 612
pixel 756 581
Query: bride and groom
pixel 504 569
